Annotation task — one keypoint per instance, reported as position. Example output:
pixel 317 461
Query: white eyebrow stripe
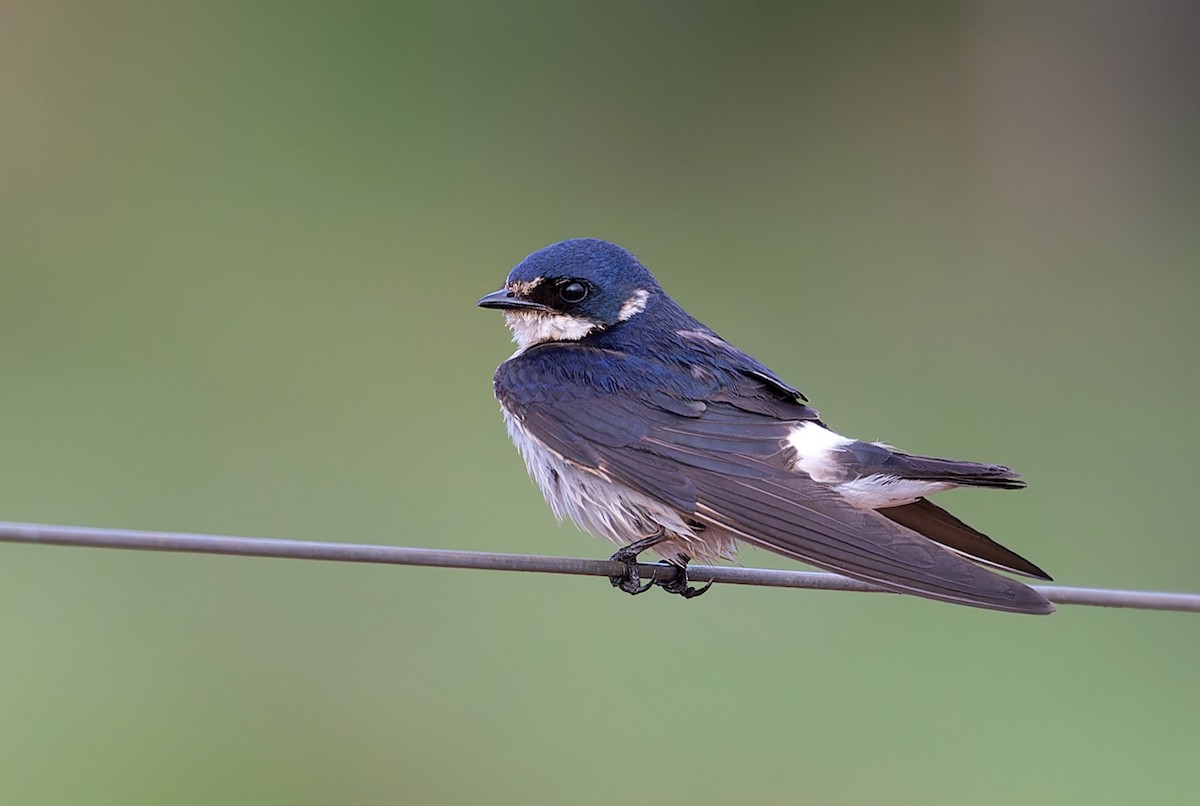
pixel 523 287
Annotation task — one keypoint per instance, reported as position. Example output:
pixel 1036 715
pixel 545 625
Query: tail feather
pixel 964 474
pixel 867 458
pixel 930 520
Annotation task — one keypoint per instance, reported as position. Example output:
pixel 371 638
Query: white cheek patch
pixel 634 305
pixel 535 327
pixel 816 452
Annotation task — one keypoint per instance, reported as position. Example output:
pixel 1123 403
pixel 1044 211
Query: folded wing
pixel 728 466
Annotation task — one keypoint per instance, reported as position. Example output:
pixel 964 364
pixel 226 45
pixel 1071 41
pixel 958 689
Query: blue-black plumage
pixel 647 428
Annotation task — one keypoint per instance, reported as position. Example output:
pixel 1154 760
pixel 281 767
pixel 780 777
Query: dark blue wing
pixel 722 459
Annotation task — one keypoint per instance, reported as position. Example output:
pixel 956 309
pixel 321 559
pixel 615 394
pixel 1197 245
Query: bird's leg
pixel 631 580
pixel 679 582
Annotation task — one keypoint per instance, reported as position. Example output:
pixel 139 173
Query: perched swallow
pixel 647 428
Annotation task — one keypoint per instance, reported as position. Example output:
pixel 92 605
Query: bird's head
pixel 571 289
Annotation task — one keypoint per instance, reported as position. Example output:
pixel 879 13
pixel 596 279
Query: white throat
pixel 536 327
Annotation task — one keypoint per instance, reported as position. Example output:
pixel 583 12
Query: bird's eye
pixel 573 292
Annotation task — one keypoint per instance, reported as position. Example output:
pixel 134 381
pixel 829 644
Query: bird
pixel 645 427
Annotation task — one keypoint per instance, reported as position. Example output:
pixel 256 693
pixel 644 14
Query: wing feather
pixel 726 464
pixel 940 526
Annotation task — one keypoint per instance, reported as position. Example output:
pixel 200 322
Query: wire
pixel 88 537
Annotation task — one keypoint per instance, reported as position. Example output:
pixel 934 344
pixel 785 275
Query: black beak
pixel 505 300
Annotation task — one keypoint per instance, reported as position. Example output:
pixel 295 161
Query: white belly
pixel 607 508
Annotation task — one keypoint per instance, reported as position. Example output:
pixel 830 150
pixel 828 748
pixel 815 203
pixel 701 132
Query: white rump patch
pixel 535 327
pixel 634 305
pixel 816 451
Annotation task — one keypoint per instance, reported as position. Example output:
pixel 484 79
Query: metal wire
pixel 88 537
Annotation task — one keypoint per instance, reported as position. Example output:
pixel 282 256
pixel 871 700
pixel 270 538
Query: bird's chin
pixel 530 327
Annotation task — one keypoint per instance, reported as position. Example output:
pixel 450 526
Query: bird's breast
pixel 589 497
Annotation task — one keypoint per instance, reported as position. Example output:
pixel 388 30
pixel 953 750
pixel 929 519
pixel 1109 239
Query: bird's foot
pixel 631 580
pixel 678 583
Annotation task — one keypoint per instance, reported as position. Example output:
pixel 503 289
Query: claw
pixel 678 583
pixel 631 580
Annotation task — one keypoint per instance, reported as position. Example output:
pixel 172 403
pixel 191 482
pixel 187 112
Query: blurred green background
pixel 240 247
